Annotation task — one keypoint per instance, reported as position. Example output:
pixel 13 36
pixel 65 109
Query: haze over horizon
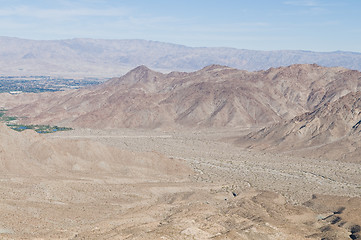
pixel 314 25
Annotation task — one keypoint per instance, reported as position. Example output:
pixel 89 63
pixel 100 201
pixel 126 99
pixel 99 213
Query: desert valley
pixel 216 153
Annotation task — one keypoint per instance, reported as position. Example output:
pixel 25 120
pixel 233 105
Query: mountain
pixel 331 131
pixel 215 96
pixel 109 58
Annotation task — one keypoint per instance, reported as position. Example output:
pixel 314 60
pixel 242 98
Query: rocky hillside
pixel 332 130
pixel 215 96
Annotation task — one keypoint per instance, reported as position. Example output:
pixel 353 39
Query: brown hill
pixel 331 130
pixel 215 96
pixel 29 154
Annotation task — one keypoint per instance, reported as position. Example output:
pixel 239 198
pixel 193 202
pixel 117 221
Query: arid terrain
pixel 111 184
pixel 215 154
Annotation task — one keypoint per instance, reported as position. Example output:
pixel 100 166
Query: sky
pixel 313 25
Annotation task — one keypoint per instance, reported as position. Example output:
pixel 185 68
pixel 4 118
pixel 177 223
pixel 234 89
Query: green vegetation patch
pixel 38 128
pixel 8 120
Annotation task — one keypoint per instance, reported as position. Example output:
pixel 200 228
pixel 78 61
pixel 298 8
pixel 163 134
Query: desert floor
pixel 228 193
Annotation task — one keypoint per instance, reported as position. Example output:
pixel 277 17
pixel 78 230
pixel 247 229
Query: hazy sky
pixel 317 25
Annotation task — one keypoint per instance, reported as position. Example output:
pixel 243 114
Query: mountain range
pixel 301 106
pixel 215 96
pixel 109 58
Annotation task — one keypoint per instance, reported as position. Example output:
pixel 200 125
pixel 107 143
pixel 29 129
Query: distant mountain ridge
pixel 110 58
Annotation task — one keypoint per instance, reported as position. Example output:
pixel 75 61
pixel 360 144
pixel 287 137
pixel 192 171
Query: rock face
pixel 215 96
pixel 108 58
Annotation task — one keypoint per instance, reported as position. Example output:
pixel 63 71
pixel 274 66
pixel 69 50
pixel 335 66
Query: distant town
pixel 36 84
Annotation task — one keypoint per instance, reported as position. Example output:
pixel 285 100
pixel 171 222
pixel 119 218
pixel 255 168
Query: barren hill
pixel 108 58
pixel 29 154
pixel 215 96
pixel 331 131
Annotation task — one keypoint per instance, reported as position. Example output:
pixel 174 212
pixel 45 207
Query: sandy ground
pixel 232 193
pixel 217 159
